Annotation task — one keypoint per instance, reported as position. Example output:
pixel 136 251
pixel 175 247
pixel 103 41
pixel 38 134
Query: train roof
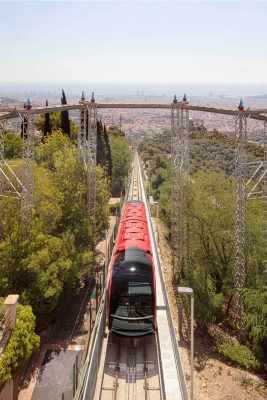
pixel 133 254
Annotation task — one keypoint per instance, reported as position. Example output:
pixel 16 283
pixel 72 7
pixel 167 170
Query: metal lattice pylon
pixel 264 185
pixel 27 167
pixel 87 150
pixel 82 152
pixel 179 180
pixel 10 184
pixel 240 218
pixel 91 156
pixel 258 172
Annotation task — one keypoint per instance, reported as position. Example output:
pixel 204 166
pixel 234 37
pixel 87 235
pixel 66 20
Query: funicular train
pixel 132 284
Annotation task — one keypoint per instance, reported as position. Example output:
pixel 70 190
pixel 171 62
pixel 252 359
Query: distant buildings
pixel 148 122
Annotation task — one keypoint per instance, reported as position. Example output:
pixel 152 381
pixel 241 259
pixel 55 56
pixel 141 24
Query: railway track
pixel 131 370
pixel 135 188
pixel 131 367
pixel 122 368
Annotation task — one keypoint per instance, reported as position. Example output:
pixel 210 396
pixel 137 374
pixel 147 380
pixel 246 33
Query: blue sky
pixel 140 41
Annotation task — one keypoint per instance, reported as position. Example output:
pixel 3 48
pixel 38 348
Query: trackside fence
pixel 169 316
pixel 97 311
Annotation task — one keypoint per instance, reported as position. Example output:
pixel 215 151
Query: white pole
pixel 192 346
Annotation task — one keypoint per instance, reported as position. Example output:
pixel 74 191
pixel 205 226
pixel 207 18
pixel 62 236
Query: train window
pixel 132 254
pixel 132 296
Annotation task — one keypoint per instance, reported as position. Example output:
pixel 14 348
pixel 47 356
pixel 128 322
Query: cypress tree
pixel 47 124
pixel 100 147
pixel 22 131
pixel 109 156
pixel 65 121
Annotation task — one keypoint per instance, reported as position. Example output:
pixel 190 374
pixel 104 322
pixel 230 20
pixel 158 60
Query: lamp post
pixel 189 291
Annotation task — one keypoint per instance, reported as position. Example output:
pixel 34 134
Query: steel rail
pixel 146 382
pixel 117 370
pixel 130 388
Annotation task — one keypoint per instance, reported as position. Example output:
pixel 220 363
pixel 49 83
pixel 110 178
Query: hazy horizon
pixel 156 89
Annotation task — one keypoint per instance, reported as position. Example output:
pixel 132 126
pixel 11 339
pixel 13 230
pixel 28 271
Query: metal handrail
pixel 100 322
pixel 168 312
pixel 4 318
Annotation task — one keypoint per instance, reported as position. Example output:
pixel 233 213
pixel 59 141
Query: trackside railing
pixel 89 370
pixel 168 311
pixel 5 317
pixel 2 320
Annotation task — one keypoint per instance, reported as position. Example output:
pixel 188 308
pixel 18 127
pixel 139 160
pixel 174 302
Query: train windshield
pixel 132 297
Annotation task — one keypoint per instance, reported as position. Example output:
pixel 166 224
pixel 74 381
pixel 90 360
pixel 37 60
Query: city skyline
pixel 134 42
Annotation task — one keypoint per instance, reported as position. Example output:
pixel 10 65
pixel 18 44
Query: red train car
pixel 132 285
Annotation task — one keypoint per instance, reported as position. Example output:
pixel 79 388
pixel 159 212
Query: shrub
pixel 113 208
pixel 208 303
pixel 239 355
pixel 256 318
pixel 22 343
pixel 13 145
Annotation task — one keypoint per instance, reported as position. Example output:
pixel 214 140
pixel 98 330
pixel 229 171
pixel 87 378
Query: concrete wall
pixel 10 390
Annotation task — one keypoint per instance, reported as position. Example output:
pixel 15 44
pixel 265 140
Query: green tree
pixel 65 122
pixel 121 159
pixel 55 121
pixel 256 317
pixel 109 155
pixel 211 227
pixel 12 145
pixel 101 151
pixel 56 251
pixel 47 151
pixel 22 343
pixel 211 205
pixel 47 124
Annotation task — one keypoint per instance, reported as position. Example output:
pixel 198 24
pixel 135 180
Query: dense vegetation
pixel 211 230
pixel 55 252
pixel 55 249
pixel 121 163
pixel 22 343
